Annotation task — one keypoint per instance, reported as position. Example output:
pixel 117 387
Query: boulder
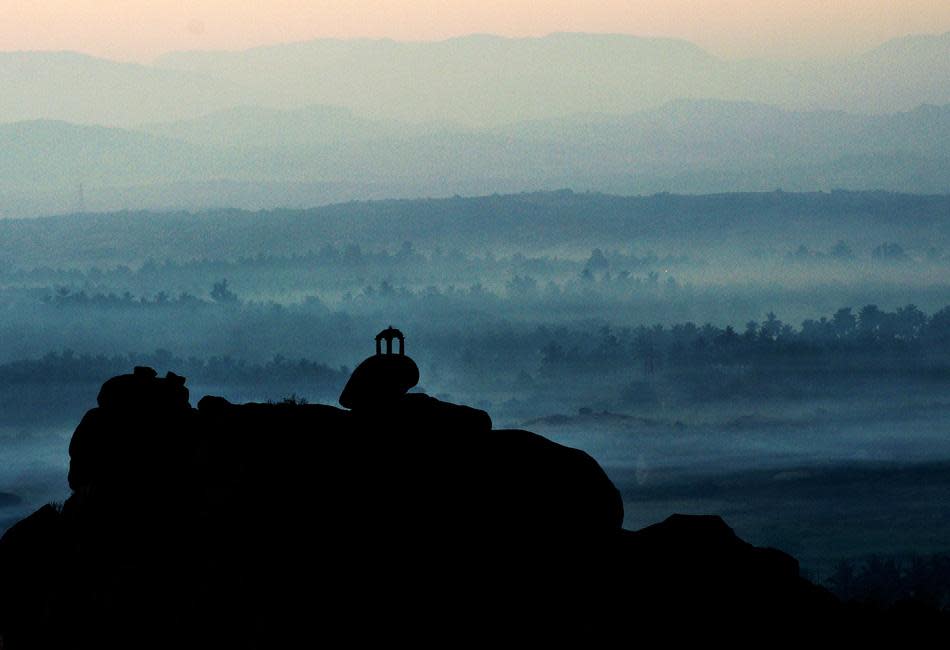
pixel 137 436
pixel 143 391
pixel 698 562
pixel 378 381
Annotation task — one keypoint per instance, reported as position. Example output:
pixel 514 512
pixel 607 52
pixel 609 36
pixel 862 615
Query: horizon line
pixel 778 191
pixel 151 61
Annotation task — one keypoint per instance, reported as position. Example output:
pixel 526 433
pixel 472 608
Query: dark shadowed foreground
pixel 405 518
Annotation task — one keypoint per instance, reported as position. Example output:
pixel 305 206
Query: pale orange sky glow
pixel 140 30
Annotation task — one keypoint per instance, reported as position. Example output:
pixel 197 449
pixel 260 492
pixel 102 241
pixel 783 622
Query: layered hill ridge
pixel 324 121
pixel 89 90
pixel 252 157
pixel 697 225
pixel 478 80
pixel 254 525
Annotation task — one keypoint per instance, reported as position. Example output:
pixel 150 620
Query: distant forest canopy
pixel 350 274
pixel 867 340
pixel 59 386
pixel 735 226
pixel 850 354
pixel 68 367
pixel 848 341
pixel 878 580
pixel 318 283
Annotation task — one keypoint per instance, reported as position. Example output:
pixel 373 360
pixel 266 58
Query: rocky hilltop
pixel 401 518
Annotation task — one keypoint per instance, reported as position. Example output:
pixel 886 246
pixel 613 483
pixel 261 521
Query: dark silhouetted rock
pixel 700 560
pixel 383 378
pixel 144 391
pixel 378 381
pixel 138 437
pixel 418 411
pixel 31 580
pixel 273 525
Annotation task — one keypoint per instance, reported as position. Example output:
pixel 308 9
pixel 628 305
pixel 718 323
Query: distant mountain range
pixel 475 80
pixel 86 90
pixel 326 121
pixel 264 158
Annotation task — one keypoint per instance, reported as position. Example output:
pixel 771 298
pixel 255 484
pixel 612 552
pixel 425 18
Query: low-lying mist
pixel 779 359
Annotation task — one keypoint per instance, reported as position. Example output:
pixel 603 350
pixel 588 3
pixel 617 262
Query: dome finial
pixel 388 335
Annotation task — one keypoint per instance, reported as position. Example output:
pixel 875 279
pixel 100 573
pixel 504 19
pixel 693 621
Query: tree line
pixel 870 338
pixel 69 367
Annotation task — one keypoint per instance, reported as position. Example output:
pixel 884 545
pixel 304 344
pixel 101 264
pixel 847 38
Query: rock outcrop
pixel 274 525
pixel 381 379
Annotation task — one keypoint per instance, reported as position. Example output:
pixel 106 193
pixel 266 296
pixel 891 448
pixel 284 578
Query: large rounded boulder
pixel 381 379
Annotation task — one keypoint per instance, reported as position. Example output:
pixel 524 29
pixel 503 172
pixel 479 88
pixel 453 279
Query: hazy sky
pixel 142 29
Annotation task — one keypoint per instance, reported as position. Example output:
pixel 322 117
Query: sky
pixel 139 30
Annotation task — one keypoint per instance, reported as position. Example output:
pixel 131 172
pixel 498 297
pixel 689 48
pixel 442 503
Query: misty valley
pixel 470 321
pixel 781 359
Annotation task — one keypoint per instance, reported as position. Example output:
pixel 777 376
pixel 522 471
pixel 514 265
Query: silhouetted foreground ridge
pixel 264 525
